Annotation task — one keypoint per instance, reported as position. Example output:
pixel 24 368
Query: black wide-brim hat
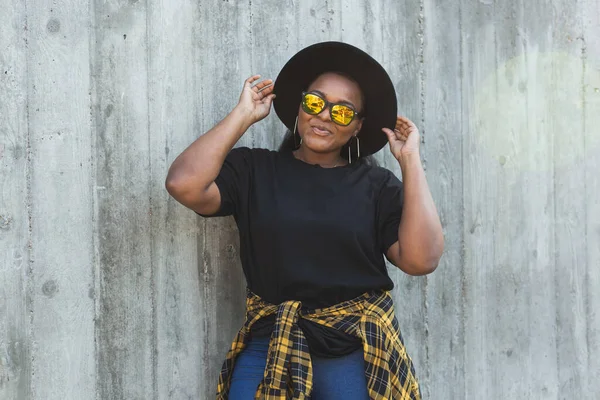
pixel 375 83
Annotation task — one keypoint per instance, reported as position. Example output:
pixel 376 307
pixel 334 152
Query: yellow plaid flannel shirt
pixel 288 374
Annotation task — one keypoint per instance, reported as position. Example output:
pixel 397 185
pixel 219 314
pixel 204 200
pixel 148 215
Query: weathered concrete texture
pixel 442 148
pixel 61 353
pixel 174 112
pixel 15 339
pixel 109 289
pixel 590 96
pixel 126 296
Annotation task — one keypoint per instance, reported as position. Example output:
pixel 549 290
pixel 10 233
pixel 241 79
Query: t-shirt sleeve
pixel 233 181
pixel 390 202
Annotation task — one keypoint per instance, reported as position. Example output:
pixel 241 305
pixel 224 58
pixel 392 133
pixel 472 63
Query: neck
pixel 323 159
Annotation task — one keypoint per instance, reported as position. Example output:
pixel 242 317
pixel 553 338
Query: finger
pixel 263 94
pixel 391 135
pixel 401 138
pixel 399 121
pixel 401 124
pixel 248 82
pixel 269 99
pixel 388 132
pixel 405 121
pixel 395 134
pixel 400 134
pixel 407 130
pixel 261 85
pixel 265 90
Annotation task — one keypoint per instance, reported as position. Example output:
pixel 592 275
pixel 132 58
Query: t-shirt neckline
pixel 290 154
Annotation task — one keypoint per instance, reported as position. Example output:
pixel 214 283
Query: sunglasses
pixel 341 114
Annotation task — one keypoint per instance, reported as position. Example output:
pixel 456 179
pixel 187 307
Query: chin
pixel 318 144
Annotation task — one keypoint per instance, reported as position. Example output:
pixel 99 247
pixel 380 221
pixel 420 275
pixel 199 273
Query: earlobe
pixel 359 127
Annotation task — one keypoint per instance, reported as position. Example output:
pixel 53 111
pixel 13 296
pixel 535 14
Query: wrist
pixel 243 115
pixel 409 159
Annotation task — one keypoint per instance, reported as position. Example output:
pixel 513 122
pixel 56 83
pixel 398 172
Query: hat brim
pixel 374 81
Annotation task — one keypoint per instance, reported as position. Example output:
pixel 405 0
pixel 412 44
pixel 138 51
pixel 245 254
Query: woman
pixel 315 222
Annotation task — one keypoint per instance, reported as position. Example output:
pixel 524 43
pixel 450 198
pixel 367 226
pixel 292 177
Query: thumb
pixel 269 100
pixel 388 132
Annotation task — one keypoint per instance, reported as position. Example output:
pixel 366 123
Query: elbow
pixel 424 264
pixel 177 185
pixel 179 191
pixel 172 185
pixel 422 268
pixel 430 263
pixel 185 190
pixel 430 266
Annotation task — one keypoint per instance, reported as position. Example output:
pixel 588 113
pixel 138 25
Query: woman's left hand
pixel 404 139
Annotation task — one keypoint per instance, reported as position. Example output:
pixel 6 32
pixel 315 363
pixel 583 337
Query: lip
pixel 320 130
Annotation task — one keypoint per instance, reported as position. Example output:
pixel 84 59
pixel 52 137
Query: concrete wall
pixel 111 290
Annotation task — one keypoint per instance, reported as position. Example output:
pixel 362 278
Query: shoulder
pixel 251 155
pixel 382 176
pixel 389 190
pixel 254 151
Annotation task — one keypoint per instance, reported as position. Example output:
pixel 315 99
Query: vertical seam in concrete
pixel 29 200
pixel 557 283
pixel 490 389
pixel 205 298
pixel 93 175
pixel 341 20
pixel 523 44
pixel 251 35
pixel 326 6
pixel 296 24
pixel 462 199
pixel 588 311
pixel 422 77
pixel 153 313
pixel 385 155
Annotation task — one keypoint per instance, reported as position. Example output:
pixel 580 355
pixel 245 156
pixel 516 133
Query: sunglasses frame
pixel 330 105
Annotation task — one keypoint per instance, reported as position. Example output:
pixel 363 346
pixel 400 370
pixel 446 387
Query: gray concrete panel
pixel 61 274
pixel 126 295
pixel 110 289
pixel 15 249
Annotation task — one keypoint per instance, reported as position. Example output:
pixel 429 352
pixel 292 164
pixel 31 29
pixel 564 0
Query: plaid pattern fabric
pixel 288 375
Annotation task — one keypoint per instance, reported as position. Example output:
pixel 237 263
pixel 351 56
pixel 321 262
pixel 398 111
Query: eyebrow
pixel 337 102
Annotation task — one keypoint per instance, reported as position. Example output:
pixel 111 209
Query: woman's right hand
pixel 255 101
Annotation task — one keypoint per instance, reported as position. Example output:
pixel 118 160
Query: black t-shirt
pixel 308 233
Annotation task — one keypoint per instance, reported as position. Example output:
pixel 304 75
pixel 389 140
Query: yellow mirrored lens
pixel 342 114
pixel 313 103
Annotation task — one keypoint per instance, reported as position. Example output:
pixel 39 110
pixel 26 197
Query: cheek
pixel 303 119
pixel 347 131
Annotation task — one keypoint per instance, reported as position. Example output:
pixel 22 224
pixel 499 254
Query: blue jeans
pixel 333 378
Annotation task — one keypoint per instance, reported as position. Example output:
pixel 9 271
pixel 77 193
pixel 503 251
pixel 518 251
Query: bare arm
pixel 420 239
pixel 191 177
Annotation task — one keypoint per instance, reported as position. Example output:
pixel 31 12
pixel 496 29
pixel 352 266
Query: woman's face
pixel 318 132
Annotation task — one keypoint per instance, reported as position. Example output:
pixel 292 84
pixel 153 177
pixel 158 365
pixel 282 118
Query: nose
pixel 325 114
